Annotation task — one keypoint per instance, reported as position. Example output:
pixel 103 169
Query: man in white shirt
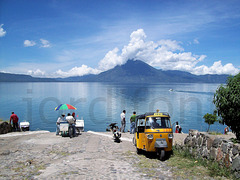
pixel 71 121
pixel 60 119
pixel 123 120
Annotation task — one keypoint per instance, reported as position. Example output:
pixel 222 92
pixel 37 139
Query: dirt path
pixel 88 156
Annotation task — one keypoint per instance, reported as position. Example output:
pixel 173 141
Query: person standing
pixel 60 119
pixel 123 121
pixel 14 119
pixel 74 125
pixel 70 121
pixel 132 121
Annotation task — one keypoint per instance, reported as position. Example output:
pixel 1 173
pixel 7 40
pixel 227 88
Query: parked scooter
pixel 116 134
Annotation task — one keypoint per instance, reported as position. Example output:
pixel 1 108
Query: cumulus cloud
pixel 28 43
pixel 36 73
pixel 216 68
pixel 2 31
pixel 164 54
pixel 45 43
pixel 77 71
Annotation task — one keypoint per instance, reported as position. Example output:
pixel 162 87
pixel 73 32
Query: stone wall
pixel 5 127
pixel 212 147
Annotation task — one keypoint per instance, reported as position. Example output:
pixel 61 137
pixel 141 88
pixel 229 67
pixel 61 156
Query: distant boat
pixel 170 89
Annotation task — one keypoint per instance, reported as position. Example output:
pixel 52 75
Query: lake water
pixel 101 103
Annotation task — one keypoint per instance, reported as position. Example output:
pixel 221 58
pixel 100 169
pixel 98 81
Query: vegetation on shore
pixel 227 102
pixel 186 166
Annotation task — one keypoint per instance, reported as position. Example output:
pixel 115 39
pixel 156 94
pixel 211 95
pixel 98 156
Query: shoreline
pixel 43 155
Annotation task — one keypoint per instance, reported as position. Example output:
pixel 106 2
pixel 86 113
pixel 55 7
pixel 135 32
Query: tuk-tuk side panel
pixel 140 141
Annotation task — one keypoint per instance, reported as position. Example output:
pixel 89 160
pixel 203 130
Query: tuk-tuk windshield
pixel 157 122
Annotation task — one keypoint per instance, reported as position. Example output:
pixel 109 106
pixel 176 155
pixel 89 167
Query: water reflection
pixel 101 103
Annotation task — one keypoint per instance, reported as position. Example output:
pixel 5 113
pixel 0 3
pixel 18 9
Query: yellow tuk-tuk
pixel 153 133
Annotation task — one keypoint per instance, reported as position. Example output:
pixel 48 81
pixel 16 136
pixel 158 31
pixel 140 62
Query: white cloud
pixel 216 68
pixel 77 71
pixel 45 43
pixel 36 73
pixel 28 43
pixel 164 54
pixel 2 31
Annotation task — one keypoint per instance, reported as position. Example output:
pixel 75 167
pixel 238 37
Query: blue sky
pixel 58 38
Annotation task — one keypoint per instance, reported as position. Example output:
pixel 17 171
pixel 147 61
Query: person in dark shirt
pixel 132 121
pixel 14 119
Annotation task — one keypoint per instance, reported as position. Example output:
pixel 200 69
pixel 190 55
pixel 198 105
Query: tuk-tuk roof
pixel 143 116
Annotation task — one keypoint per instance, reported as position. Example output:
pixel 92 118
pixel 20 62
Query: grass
pixel 214 133
pixel 234 140
pixel 186 166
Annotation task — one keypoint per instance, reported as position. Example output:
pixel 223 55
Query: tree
pixel 227 102
pixel 210 119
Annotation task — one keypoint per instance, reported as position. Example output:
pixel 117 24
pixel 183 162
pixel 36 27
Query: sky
pixel 59 38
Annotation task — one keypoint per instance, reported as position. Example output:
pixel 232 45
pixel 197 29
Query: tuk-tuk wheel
pixel 139 151
pixel 134 142
pixel 161 154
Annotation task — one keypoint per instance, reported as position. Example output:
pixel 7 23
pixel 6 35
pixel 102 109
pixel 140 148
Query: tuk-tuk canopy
pixel 143 116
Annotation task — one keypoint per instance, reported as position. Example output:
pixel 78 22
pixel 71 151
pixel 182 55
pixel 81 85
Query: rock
pixel 193 132
pixel 209 142
pixel 224 147
pixel 213 153
pixel 5 127
pixel 6 152
pixel 187 141
pixel 236 164
pixel 194 142
pixel 237 175
pixel 236 149
pixel 227 161
pixel 219 154
pixel 216 142
pixel 205 152
pixel 200 141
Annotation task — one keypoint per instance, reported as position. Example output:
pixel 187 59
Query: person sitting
pixel 178 128
pixel 154 124
pixel 226 130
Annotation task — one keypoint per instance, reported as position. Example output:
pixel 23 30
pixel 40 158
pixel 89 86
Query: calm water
pixel 100 103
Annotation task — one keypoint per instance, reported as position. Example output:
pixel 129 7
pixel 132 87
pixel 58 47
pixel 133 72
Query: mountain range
pixel 133 71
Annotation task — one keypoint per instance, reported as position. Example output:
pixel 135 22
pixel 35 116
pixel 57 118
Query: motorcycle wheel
pixel 71 132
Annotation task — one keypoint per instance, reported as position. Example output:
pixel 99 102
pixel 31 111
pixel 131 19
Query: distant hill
pixel 7 77
pixel 133 71
pixel 140 72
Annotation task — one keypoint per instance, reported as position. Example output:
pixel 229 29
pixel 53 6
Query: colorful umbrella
pixel 64 107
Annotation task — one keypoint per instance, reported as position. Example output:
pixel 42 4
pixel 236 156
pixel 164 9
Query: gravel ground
pixel 43 155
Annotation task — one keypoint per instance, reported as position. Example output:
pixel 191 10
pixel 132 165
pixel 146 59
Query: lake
pixel 101 103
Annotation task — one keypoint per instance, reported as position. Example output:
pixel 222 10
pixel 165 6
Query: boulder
pixel 193 132
pixel 225 147
pixel 236 164
pixel 216 142
pixel 5 127
pixel 209 142
pixel 236 149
